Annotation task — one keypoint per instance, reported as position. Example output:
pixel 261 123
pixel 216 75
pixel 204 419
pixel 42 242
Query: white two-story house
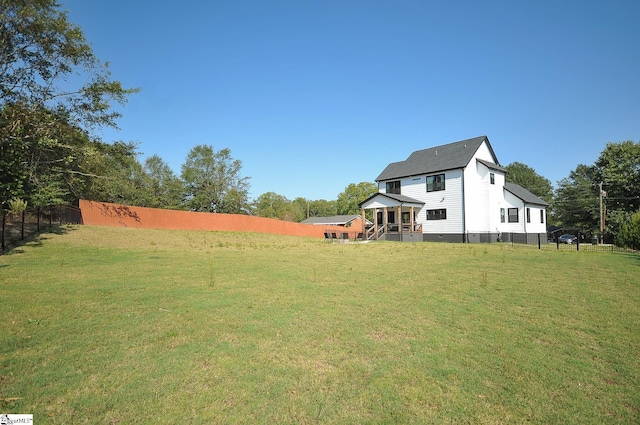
pixel 456 193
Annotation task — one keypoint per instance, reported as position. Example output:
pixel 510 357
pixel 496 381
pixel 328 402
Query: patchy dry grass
pixel 112 325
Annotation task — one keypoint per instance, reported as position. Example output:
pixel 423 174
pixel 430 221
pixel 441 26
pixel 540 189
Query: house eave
pixel 405 201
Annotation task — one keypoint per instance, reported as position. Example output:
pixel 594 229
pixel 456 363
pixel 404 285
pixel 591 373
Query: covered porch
pixel 394 218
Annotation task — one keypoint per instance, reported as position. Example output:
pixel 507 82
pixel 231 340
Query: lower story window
pixel 440 214
pixel 406 216
pixel 513 215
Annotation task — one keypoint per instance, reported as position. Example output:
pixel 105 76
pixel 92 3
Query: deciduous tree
pixel 353 195
pixel 53 90
pixel 618 167
pixel 525 176
pixel 576 200
pixel 165 189
pixel 322 208
pixel 213 182
pixel 274 205
pixel 629 235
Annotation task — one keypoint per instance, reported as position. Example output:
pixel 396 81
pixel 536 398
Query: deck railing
pixel 376 232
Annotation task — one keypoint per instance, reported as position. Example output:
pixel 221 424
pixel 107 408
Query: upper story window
pixel 435 182
pixel 492 178
pixel 393 187
pixel 513 215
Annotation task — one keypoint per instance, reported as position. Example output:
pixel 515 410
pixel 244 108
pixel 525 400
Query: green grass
pixel 111 325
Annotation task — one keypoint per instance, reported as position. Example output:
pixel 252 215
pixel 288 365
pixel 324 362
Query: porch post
pixel 385 218
pixel 411 219
pixel 375 222
pixel 364 226
pixel 399 218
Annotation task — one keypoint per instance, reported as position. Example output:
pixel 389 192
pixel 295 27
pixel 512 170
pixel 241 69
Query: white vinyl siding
pixel 449 199
pixel 535 226
pixel 511 201
pixel 480 195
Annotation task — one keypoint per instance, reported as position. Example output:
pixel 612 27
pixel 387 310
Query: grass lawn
pixel 116 325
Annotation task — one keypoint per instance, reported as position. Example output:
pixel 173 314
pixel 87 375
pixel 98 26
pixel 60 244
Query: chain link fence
pixel 18 227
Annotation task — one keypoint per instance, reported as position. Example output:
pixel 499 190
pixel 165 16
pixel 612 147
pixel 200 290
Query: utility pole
pixel 601 218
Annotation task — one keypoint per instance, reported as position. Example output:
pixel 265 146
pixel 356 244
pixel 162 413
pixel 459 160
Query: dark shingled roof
pixel 524 194
pixel 439 158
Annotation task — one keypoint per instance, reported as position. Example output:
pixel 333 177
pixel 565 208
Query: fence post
pixel 22 227
pixel 539 241
pixel 578 242
pixel 3 221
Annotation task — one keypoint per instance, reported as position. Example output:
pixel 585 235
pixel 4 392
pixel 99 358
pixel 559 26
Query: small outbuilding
pixel 350 221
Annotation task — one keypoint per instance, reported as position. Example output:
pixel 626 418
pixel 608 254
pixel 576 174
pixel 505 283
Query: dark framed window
pixel 440 214
pixel 492 178
pixel 393 187
pixel 406 217
pixel 435 182
pixel 502 215
pixel 513 215
pixel 541 216
pixel 528 215
pixel 391 216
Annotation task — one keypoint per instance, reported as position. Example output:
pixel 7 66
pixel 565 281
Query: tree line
pixel 50 153
pixel 601 199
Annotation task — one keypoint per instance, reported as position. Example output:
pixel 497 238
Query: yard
pixel 116 325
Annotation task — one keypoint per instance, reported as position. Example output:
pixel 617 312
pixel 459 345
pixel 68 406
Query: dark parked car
pixel 567 239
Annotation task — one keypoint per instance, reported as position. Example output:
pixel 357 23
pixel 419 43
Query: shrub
pixel 17 206
pixel 629 234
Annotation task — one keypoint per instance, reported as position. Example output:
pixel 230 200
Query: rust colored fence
pixel 17 227
pixel 106 214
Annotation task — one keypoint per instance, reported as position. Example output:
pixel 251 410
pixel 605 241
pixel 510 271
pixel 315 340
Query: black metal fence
pixel 17 227
pixel 590 246
pixel 581 242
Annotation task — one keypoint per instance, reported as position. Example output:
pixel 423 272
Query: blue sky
pixel 314 95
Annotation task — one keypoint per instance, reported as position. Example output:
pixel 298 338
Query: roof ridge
pixel 429 160
pixel 473 139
